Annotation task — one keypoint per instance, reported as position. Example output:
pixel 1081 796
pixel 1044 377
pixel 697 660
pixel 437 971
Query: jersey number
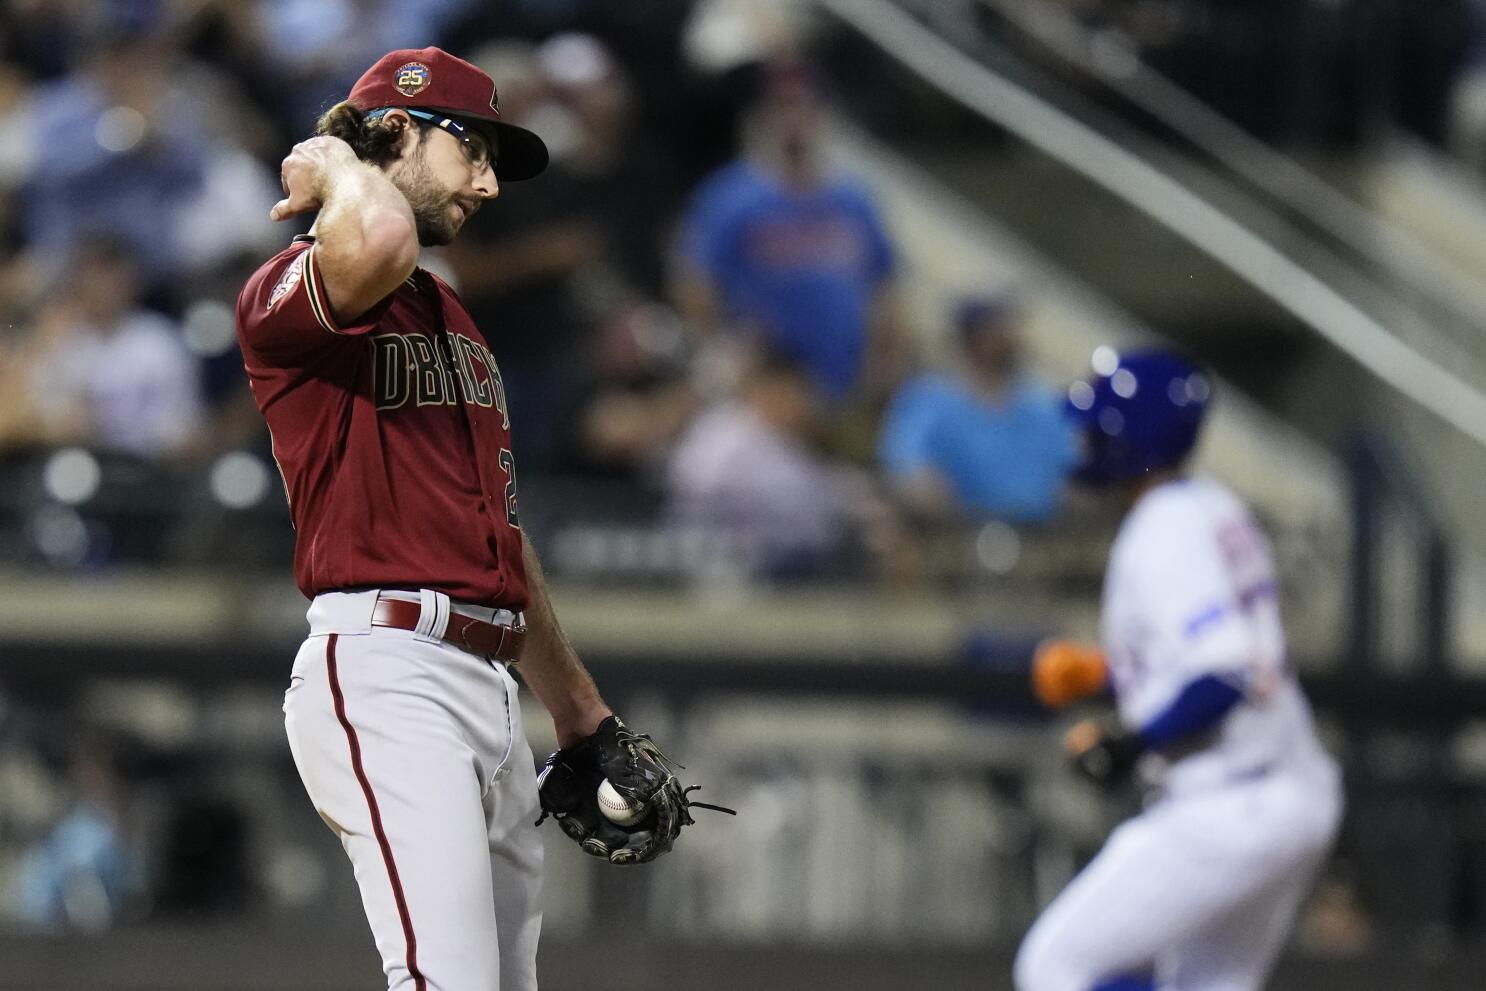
pixel 508 463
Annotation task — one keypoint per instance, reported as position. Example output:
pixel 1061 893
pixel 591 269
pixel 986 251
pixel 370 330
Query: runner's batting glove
pixel 639 772
pixel 1103 756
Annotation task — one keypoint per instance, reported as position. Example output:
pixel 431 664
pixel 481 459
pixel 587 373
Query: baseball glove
pixel 1067 671
pixel 635 767
pixel 1101 755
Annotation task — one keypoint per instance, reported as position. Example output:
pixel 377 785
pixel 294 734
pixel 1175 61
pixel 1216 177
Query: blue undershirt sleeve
pixel 1197 707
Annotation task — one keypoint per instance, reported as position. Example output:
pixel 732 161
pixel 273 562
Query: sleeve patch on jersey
pixel 1246 601
pixel 288 280
pixel 1204 619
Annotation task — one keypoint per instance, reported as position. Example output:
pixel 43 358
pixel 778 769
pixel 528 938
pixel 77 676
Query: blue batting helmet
pixel 1140 412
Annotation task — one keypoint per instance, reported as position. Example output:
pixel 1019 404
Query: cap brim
pixel 520 154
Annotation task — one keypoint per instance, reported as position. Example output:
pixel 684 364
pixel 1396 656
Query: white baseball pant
pixel 413 752
pixel 1201 888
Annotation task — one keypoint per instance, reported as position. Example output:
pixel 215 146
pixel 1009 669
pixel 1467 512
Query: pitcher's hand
pixel 303 174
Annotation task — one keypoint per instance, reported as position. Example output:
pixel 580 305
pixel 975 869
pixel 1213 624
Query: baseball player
pixel 389 423
pixel 1197 892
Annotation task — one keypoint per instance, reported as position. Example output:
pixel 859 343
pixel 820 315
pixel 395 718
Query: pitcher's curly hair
pixel 372 140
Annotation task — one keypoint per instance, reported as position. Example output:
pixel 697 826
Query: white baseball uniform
pixel 394 441
pixel 391 429
pixel 413 752
pixel 1201 888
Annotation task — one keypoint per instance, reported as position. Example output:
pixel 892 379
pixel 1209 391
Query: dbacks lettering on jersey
pixel 415 367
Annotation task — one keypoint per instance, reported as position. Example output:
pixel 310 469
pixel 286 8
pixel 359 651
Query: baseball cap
pixel 431 79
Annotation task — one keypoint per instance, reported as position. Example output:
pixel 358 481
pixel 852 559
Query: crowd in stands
pixel 688 301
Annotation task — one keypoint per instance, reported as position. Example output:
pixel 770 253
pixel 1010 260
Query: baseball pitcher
pixel 389 423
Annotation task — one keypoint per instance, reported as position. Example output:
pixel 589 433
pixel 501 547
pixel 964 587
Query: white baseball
pixel 616 808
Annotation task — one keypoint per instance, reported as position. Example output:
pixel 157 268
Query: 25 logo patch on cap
pixel 412 79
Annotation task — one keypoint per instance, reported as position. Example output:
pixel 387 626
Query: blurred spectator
pixel 1335 923
pixel 103 152
pixel 621 180
pixel 747 471
pixel 638 399
pixel 779 249
pixel 44 38
pixel 81 873
pixel 727 46
pixel 142 144
pixel 539 273
pixel 101 370
pixel 314 52
pixel 722 35
pixel 983 440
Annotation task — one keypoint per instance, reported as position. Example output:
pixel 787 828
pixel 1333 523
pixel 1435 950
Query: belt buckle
pixel 495 655
pixel 464 630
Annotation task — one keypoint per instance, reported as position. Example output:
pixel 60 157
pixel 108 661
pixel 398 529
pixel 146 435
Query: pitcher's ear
pixel 398 122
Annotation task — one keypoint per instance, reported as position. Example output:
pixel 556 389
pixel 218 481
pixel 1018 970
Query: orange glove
pixel 1065 671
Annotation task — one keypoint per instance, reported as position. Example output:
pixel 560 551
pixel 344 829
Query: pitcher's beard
pixel 430 206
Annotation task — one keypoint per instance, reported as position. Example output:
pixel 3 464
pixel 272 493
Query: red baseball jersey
pixel 392 435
